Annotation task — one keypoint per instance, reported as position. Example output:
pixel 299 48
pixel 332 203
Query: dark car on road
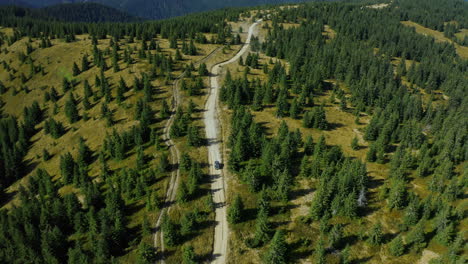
pixel 217 165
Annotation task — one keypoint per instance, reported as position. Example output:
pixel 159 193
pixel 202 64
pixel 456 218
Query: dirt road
pixel 218 184
pixel 175 157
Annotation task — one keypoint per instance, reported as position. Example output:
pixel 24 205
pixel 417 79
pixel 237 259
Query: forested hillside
pixel 344 133
pixel 158 9
pixel 85 12
pixel 84 160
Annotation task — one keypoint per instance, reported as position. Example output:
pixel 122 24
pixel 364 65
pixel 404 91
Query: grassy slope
pixel 301 236
pixel 57 61
pixel 439 36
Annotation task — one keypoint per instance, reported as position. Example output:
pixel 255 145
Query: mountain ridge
pixel 159 9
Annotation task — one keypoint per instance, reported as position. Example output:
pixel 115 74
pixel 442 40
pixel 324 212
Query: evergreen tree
pixel 397 197
pixel 193 137
pixel 277 253
pixel 355 143
pixel 282 106
pixel 66 85
pixel 202 70
pixel 165 111
pixel 319 255
pixel 397 247
pixel 182 193
pixel 164 165
pixel 185 162
pixel 146 254
pixel 372 153
pixel 76 70
pixel 84 63
pixel 294 111
pixel 335 236
pixel 235 210
pixel 171 236
pixel 86 94
pixel 375 235
pixel 189 256
pixel 309 145
pixel 121 90
pixel 46 155
pixel 416 237
pixel 262 227
pixel 71 110
pixel 345 258
pixel 187 224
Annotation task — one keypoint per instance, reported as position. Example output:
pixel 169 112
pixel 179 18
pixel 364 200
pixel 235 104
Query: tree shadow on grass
pixel 295 194
pixel 333 126
pixel 361 260
pixel 133 208
pixel 299 249
pixel 6 197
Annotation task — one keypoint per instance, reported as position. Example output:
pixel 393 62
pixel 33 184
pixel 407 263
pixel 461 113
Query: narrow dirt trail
pixel 175 158
pixel 218 184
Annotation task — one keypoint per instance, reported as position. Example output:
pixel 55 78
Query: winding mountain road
pixel 218 184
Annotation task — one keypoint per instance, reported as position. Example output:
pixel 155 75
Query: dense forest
pixel 86 12
pixel 158 9
pixel 345 131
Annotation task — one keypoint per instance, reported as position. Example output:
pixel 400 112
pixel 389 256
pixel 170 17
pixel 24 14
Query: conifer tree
pixel 164 164
pixel 194 179
pixel 188 256
pixel 372 153
pixel 182 193
pixel 277 253
pixel 235 210
pixel 309 146
pixel 76 70
pixel 86 94
pixel 397 197
pixel 397 247
pixel 178 56
pixel 121 90
pixel 262 227
pixel 84 63
pixel 187 224
pixel 66 85
pixel 84 153
pixel 294 111
pixel 335 236
pixel 171 236
pixel 157 142
pixel 319 255
pixel 375 235
pixel 355 143
pixel 45 155
pixel 282 106
pixel 202 70
pixel 416 237
pixel 146 254
pixel 194 138
pixel 71 110
pixel 67 166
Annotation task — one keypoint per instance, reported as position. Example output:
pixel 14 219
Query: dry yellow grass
pixel 345 129
pixel 57 62
pixel 438 36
